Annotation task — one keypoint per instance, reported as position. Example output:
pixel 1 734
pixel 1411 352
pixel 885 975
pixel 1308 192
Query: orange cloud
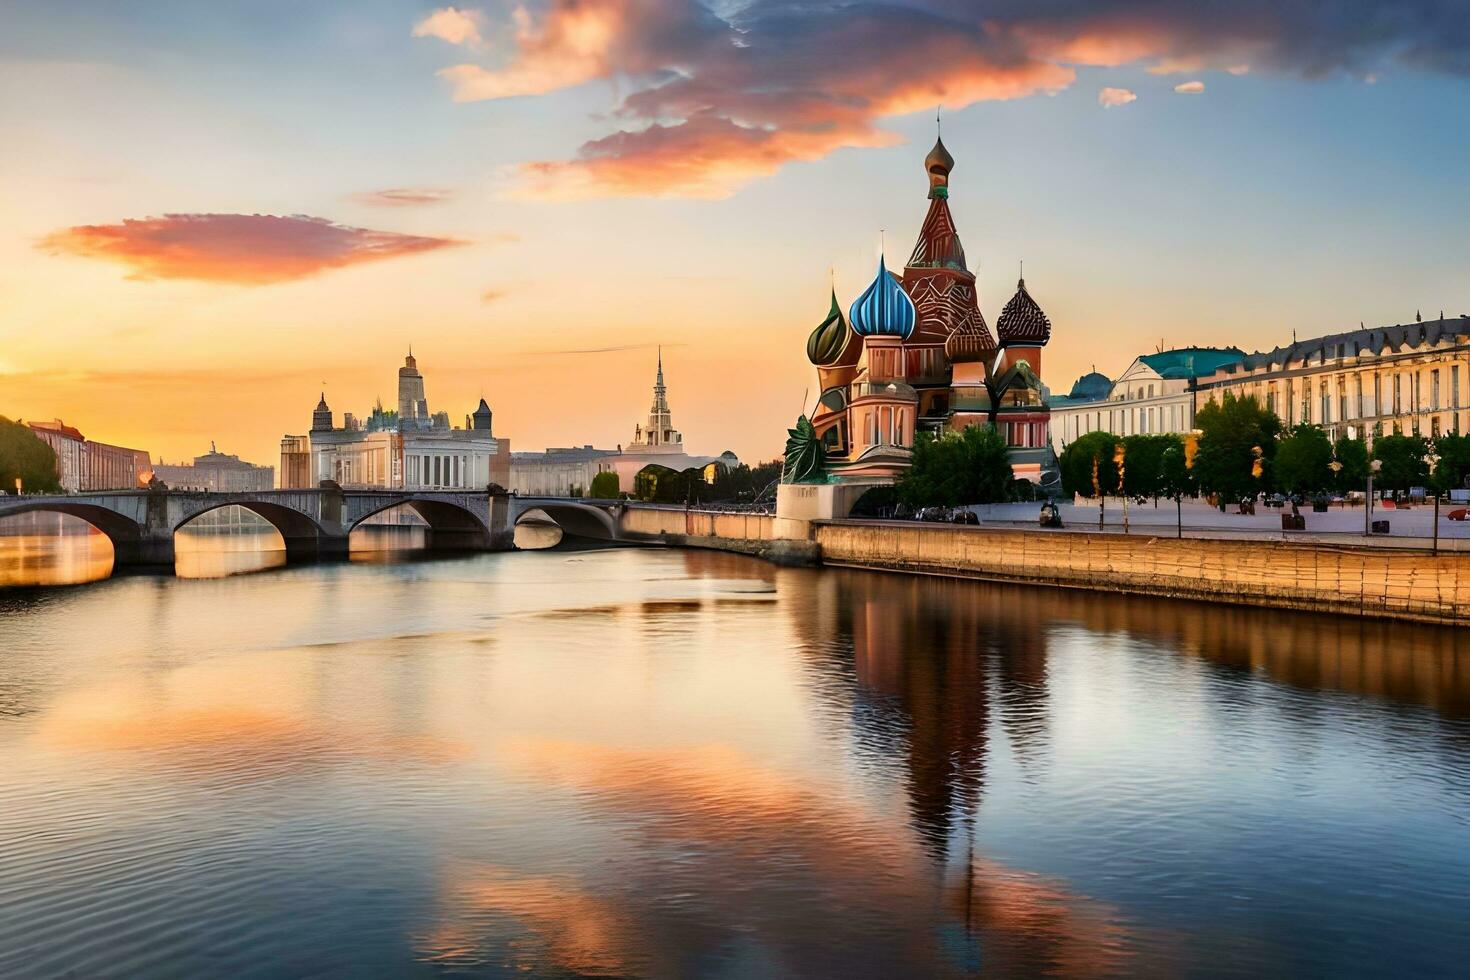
pixel 1190 88
pixel 716 100
pixel 452 25
pixel 397 197
pixel 1110 97
pixel 494 294
pixel 244 249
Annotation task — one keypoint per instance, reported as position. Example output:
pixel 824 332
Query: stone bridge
pixel 314 523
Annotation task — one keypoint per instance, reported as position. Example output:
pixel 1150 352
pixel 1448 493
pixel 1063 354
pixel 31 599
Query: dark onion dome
pixel 939 163
pixel 884 309
pixel 827 341
pixel 1091 387
pixel 1022 321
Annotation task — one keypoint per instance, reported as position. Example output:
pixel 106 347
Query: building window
pixel 1358 387
pixel 1398 395
pixel 1434 390
pixel 1455 386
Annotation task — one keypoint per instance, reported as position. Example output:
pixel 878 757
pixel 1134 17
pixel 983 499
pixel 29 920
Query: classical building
pixel 1407 379
pixel 85 465
pixel 915 354
pixel 560 472
pixel 407 449
pixel 563 472
pixel 216 472
pixel 1154 395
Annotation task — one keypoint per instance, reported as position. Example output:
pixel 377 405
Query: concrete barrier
pixel 750 534
pixel 1400 584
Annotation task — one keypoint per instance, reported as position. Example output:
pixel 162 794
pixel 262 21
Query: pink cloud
pixel 245 249
pixel 1190 88
pixel 709 101
pixel 1110 97
pixel 398 197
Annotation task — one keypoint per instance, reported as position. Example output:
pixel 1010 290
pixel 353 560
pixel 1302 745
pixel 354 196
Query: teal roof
pixel 1191 362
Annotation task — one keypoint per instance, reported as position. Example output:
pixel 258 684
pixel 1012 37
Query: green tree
pixel 1143 463
pixel 605 486
pixel 1453 468
pixel 1303 462
pixel 23 455
pixel 971 466
pixel 1176 479
pixel 1236 434
pixel 1076 461
pixel 1353 455
pixel 1405 462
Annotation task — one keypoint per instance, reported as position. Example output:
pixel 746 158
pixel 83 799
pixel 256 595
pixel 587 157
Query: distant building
pixel 407 449
pixel 568 471
pixel 216 472
pixel 84 465
pixel 1154 395
pixel 296 462
pixel 1409 379
pixel 562 472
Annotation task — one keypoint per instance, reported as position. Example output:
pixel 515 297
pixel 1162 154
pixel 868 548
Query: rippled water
pixel 665 763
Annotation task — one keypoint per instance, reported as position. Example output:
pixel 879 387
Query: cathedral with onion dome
pixel 914 354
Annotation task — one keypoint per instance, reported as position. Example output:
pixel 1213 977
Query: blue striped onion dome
pixel 883 309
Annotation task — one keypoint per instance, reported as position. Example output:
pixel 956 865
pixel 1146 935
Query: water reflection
pixel 396 534
pixel 661 763
pixel 228 540
pixel 43 548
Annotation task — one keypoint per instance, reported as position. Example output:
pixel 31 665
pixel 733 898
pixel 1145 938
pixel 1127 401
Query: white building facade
pixel 1155 395
pixel 1409 379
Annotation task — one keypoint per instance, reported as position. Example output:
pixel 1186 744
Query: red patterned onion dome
pixel 1022 321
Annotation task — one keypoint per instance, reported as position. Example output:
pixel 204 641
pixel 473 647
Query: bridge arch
pixel 451 526
pixel 302 534
pixel 582 520
pixel 125 533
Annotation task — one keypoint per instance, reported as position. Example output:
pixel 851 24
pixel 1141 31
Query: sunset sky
pixel 211 211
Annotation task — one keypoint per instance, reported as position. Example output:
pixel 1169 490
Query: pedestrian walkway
pixel 1409 528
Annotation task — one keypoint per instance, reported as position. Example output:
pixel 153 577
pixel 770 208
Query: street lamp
pixel 1374 465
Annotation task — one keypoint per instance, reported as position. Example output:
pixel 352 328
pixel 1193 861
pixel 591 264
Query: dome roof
pixel 939 161
pixel 938 164
pixel 1093 387
pixel 827 341
pixel 1022 321
pixel 883 309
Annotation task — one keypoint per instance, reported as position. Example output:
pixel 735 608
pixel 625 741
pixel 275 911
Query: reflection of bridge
pixel 313 523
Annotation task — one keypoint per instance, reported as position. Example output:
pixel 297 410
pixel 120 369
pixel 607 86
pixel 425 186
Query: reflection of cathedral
pixel 915 354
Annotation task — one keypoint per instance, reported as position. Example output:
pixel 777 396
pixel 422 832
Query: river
pixel 648 762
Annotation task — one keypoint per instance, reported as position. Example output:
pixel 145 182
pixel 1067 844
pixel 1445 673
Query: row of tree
pixel 25 457
pixel 663 485
pixel 1242 450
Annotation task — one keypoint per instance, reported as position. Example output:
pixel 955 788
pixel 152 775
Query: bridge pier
pixel 148 551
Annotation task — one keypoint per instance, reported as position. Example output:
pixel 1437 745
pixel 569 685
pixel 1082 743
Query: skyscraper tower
pixel 321 417
pixel 413 407
pixel 660 431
